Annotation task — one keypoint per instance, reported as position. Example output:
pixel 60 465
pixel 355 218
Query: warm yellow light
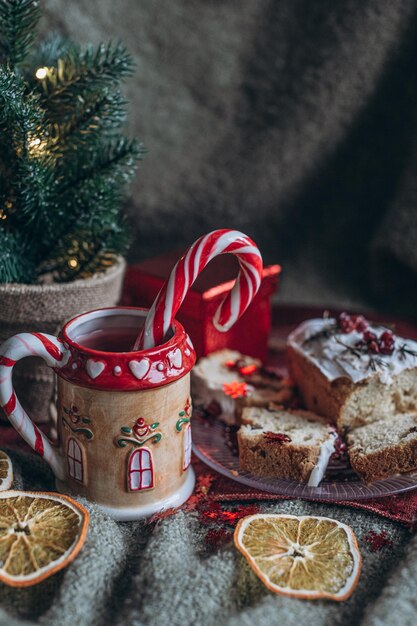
pixel 8 204
pixel 3 215
pixel 37 146
pixel 41 73
pixel 73 263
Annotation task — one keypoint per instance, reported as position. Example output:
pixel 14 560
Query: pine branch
pixel 103 115
pixel 81 72
pixel 89 206
pixel 64 166
pixel 46 54
pixel 103 250
pixel 27 163
pixel 21 116
pixel 16 265
pixel 83 253
pixel 90 202
pixel 36 208
pixel 18 21
pixel 115 160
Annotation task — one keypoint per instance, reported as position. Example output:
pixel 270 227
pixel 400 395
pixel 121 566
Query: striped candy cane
pixel 172 294
pixel 11 351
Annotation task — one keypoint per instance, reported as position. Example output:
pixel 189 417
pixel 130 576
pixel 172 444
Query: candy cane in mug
pixel 185 272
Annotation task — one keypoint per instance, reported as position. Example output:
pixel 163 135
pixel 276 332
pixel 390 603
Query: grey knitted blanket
pixel 295 121
pixel 171 572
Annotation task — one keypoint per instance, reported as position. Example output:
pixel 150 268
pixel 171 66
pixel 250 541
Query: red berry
pixel 344 317
pixel 373 347
pixel 386 349
pixel 387 342
pixel 361 324
pixel 346 323
pixel 369 336
pixel 387 337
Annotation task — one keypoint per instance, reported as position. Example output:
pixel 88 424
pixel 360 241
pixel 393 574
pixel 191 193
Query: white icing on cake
pixel 326 450
pixel 335 361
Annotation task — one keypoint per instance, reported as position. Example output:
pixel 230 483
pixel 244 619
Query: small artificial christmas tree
pixel 64 164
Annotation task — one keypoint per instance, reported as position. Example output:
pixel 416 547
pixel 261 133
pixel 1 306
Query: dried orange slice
pixel 305 557
pixel 6 471
pixel 40 533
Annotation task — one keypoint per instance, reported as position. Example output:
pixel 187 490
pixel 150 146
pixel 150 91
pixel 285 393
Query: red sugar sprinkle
pixel 247 370
pixel 236 389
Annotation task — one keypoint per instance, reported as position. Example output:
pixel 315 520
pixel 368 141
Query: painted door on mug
pixel 75 460
pixel 140 470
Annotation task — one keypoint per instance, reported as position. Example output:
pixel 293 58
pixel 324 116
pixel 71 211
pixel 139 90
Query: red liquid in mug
pixel 109 340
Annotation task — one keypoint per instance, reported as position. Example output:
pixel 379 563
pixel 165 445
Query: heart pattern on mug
pixel 94 368
pixel 175 359
pixel 140 368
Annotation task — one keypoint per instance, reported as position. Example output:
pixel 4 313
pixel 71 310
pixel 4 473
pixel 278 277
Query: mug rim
pixel 175 327
pixel 125 371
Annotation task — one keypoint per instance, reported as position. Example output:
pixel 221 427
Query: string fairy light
pixel 73 263
pixel 37 146
pixel 41 73
pixel 7 205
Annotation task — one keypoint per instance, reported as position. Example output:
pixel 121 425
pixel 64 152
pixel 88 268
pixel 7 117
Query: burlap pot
pixel 45 308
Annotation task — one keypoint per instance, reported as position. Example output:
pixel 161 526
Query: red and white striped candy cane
pixel 51 350
pixel 172 294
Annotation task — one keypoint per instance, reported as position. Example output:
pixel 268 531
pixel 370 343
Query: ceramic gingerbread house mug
pixel 123 417
pixel 124 406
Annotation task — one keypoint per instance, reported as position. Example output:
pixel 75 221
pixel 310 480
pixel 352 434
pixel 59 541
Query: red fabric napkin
pixel 400 508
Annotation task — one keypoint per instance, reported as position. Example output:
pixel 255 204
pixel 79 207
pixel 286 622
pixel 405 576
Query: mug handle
pixel 51 350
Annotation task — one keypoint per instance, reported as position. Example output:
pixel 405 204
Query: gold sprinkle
pixel 73 263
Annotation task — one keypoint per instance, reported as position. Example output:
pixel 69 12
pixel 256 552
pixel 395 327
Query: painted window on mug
pixel 140 470
pixel 75 460
pixel 187 443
